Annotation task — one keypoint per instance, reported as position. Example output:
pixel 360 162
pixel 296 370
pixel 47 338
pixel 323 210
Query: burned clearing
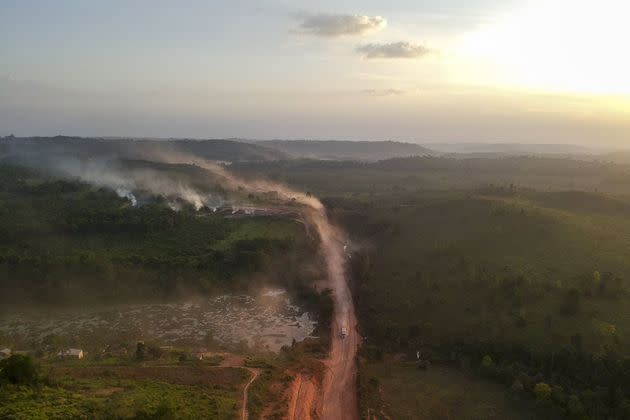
pixel 265 322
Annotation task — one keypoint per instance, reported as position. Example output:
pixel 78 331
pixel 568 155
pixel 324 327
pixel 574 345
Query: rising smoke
pixel 127 181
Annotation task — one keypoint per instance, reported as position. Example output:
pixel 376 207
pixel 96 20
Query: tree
pixel 575 408
pixel 18 370
pixel 487 362
pixel 517 386
pixel 141 350
pixel 154 352
pixel 488 368
pixel 163 411
pixel 542 391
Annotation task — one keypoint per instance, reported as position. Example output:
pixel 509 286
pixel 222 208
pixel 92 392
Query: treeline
pixel 544 166
pixel 579 384
pixel 572 379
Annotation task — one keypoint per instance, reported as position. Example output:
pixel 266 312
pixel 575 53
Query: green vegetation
pixel 18 370
pixel 509 277
pixel 513 270
pixel 497 267
pixel 523 285
pixel 127 392
pixel 400 391
pixel 67 241
pixel 64 241
pixel 326 178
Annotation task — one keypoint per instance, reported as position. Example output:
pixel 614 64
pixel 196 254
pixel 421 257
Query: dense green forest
pixel 514 270
pixel 64 241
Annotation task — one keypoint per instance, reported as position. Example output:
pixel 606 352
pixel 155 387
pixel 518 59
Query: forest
pixel 513 270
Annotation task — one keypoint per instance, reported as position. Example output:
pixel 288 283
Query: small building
pixel 5 353
pixel 71 354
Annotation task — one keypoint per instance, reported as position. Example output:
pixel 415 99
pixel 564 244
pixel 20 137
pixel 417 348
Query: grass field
pixel 399 390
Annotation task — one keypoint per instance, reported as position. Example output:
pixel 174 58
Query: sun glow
pixel 554 46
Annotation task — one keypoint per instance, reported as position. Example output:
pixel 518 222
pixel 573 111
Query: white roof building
pixel 76 353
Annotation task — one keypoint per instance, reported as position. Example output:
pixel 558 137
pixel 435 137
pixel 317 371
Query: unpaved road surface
pixel 235 361
pixel 255 373
pixel 304 394
pixel 337 399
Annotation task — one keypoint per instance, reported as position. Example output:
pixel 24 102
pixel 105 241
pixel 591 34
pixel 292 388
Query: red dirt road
pixel 337 399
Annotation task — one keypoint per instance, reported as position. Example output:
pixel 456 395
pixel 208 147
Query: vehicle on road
pixel 343 333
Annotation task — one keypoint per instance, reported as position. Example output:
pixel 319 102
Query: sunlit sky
pixel 554 71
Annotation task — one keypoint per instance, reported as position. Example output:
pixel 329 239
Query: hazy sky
pixel 433 70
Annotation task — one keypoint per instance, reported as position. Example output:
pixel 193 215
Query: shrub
pixel 542 391
pixel 18 370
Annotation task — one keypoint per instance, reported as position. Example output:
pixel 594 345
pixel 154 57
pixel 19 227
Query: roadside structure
pixel 71 354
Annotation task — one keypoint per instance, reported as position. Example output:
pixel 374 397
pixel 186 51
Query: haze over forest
pixel 272 209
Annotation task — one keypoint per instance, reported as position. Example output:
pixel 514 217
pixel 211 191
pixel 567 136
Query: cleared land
pixel 399 390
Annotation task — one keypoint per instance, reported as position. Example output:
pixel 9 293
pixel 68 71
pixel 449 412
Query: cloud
pixel 328 25
pixel 393 50
pixel 383 92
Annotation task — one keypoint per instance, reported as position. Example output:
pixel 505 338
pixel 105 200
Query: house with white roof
pixel 71 354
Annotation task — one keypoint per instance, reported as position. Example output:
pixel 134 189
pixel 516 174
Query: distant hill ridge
pixel 86 147
pixel 346 150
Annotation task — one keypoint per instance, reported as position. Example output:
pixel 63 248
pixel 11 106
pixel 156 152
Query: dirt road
pixel 236 361
pixel 337 399
pixel 255 373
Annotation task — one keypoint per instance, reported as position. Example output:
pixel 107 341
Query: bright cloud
pixel 393 50
pixel 330 25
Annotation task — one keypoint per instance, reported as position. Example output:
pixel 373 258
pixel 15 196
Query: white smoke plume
pixel 123 193
pixel 124 181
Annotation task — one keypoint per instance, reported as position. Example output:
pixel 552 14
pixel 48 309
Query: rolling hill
pixel 346 150
pixel 222 150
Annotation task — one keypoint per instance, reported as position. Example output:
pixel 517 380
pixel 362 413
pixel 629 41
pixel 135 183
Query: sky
pixel 528 71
